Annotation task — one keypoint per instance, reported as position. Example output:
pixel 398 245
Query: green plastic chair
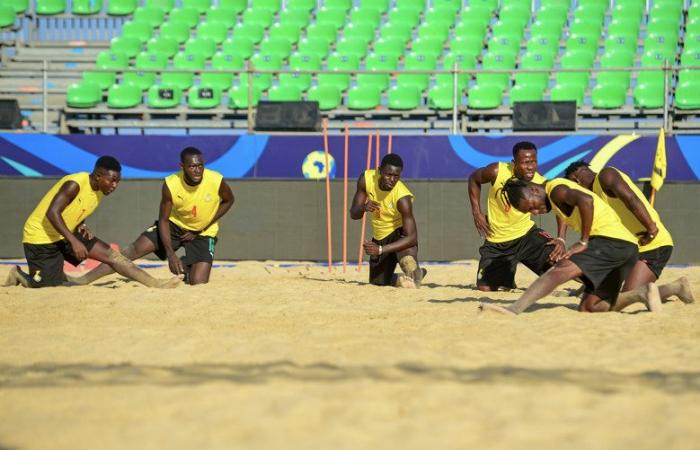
pixel 692 43
pixel 123 96
pixel 83 95
pixel 154 17
pixel 592 11
pixel 663 26
pixel 487 96
pixel 689 58
pixel 621 42
pixel 18 6
pixel 328 97
pixel 316 46
pixel 177 31
pixel 269 5
pixel 390 46
pixel 534 61
pixel 544 45
pixel 377 62
pixel 289 32
pixel 470 27
pixel 441 97
pixel 362 31
pixel 284 93
pixel 338 4
pixel 515 13
pixel 217 32
pixel 582 43
pixel 322 31
pixel 608 96
pixel 416 62
pixel 555 13
pixel 204 97
pixel 443 16
pixel 296 17
pixel 50 7
pixel 300 61
pixel 629 9
pixel 496 61
pixel 130 46
pixel 86 7
pixel 183 60
pixel 302 5
pixel 585 26
pixel 189 16
pixel 164 5
pixel 262 61
pixel 276 46
pixel 106 60
pixel 223 61
pixel 380 5
pixel 426 46
pixel 627 26
pixel 200 5
pixel 688 94
pixel 649 95
pixel 138 30
pixel 145 60
pixel 478 11
pixel 364 98
pixel 652 59
pixel 364 15
pixel 260 17
pixel 504 44
pixel 164 97
pixel 334 17
pixel 338 62
pixel 201 45
pixel 238 96
pixel 404 98
pixel 617 58
pixel 396 31
pixel 7 16
pixel 567 92
pixel 545 29
pixel 121 7
pixel 407 17
pixel 352 46
pixel 465 61
pixel 694 11
pixel 526 93
pixel 431 30
pixel 692 26
pixel 575 59
pixel 251 31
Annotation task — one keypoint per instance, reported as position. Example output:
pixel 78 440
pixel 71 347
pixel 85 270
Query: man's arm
pixel 558 242
pixel 615 186
pixel 410 238
pixel 573 198
pixel 361 202
pixel 481 176
pixel 227 200
pixel 166 206
pixel 65 195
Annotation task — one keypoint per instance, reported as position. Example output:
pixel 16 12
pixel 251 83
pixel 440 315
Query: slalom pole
pixel 345 199
pixel 364 216
pixel 389 145
pixel 377 150
pixel 329 230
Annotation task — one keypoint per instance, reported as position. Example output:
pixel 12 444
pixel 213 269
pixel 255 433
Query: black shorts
pixel 499 260
pixel 657 259
pixel 45 261
pixel 200 249
pixel 605 263
pixel 381 267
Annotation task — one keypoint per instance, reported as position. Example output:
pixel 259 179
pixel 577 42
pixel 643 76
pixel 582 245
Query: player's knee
pixel 408 265
pixel 484 288
pixel 593 305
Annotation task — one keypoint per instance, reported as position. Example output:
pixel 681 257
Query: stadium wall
pixel 285 219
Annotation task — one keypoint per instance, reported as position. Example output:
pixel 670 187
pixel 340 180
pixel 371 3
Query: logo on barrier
pixel 314 165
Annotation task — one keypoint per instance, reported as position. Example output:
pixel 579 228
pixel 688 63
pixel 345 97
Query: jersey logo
pixel 207 198
pixel 37 276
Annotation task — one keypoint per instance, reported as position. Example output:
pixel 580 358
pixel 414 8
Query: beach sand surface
pixel 271 355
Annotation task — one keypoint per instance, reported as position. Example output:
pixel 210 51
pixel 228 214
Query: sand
pixel 273 356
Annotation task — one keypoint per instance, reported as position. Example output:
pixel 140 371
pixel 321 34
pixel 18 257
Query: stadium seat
pixel 543 45
pixel 440 97
pixel 629 9
pixel 365 16
pixel 608 95
pixel 352 46
pixel 276 46
pixel 688 94
pixel 163 5
pixel 328 97
pixel 217 32
pixel 465 61
pixel 417 61
pixel 404 98
pixel 390 46
pixel 238 96
pixel 615 59
pixel 183 60
pixel 575 60
pixel 526 93
pixel 396 31
pixel 175 31
pixel 649 95
pixel 121 7
pixel 517 14
pixel 313 45
pixel 189 16
pixel 338 62
pixel 238 46
pixel 289 32
pixel 554 13
pixel 83 95
pixel 200 6
pixel 380 5
pixel 284 93
pixel 428 46
pixel 301 5
pixel 469 27
pixel 692 43
pixel 487 96
pixel 363 97
pixel 145 60
pixel 138 30
pixel 7 16
pixel 321 30
pixel 262 61
pixel 333 17
pixel 545 29
pixel 203 46
pixel 689 59
pixel 154 17
pixel 377 62
pixel 122 96
pixel 18 6
pixel 663 26
pixel 662 42
pixel 534 61
pixel 106 60
pixel 300 61
pixel 499 62
pixel 204 97
pixel 130 46
pixel 627 26
pixel 617 42
pixel 582 43
pixel 50 7
pixel 86 7
pixel 363 31
pixel 442 16
pixel 406 17
pixel 249 31
pixel 567 92
pixel 430 30
pixel 297 17
pixel 591 10
pixel 223 61
pixel 586 27
pixel 261 17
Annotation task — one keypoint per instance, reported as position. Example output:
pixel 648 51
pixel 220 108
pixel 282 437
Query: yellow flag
pixel 658 174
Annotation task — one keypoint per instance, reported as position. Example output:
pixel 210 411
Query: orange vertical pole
pixel 389 146
pixel 329 231
pixel 364 217
pixel 345 199
pixel 377 151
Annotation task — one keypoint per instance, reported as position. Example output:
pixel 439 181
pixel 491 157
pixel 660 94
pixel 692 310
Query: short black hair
pixel 514 190
pixel 189 151
pixel 108 163
pixel 523 145
pixel 574 166
pixel 392 159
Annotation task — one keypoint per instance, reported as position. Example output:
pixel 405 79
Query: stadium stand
pixel 379 59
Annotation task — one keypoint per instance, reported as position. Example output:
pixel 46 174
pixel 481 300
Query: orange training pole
pixel 345 199
pixel 389 146
pixel 377 150
pixel 364 217
pixel 329 231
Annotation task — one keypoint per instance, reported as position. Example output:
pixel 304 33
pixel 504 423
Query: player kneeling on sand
pixel 55 231
pixel 381 193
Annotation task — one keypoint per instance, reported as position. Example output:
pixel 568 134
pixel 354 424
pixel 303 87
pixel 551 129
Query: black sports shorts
pixel 200 249
pixel 45 261
pixel 657 259
pixel 381 267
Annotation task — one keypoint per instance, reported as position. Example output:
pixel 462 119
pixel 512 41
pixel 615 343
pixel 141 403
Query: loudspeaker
pixel 10 117
pixel 287 116
pixel 544 116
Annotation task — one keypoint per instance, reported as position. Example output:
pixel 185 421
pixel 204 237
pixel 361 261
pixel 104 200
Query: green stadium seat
pixel 404 16
pixel 694 11
pixel 692 26
pixel 502 44
pixel 390 46
pixel 86 7
pixel 154 17
pixel 106 60
pixel 380 5
pixel 534 61
pixel 364 98
pixel 440 16
pixel 164 97
pixel 276 46
pixel 352 46
pixel 478 11
pixel 183 60
pixel 429 30
pixel 121 7
pixel 417 62
pixel 428 46
pixel 204 97
pixel 470 27
pixel 261 17
pixel 338 4
pixel 328 97
pixel 122 96
pixel 592 11
pixel 201 45
pixel 396 31
pixel 272 6
pixel 689 59
pixel 441 97
pixel 338 62
pixel 284 93
pixel 83 94
pixel 567 92
pixel 526 93
pixel 301 5
pixel 366 16
pixel 323 31
pixel 176 31
pixel 289 32
pixel 7 16
pixel 661 42
pixel 629 9
pixel 200 5
pixel 554 13
pixel 334 17
pixel 238 96
pixel 516 14
pixel 130 46
pixel 363 31
pixel 465 61
pixel 139 30
pixel 313 45
pixel 297 17
pixel 495 61
pixel 583 44
pixel 615 59
pixel 50 7
pixel 546 29
pixel 575 59
pixel 18 6
pixel 223 61
pixel 404 98
pixel 447 5
pixel 663 26
pixel 488 96
pixel 652 59
pixel 649 95
pixel 262 61
pixel 688 94
pixel 608 96
pixel 164 5
pixel 692 43
pixel 627 26
pixel 585 26
pixel 145 60
pixel 543 45
pixel 189 16
pixel 621 42
pixel 217 32
pixel 300 61
pixel 249 31
pixel 377 62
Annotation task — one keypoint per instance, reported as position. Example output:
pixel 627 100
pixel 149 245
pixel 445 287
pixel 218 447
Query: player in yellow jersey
pixel 192 202
pixel 55 231
pixel 602 258
pixel 381 193
pixel 641 219
pixel 510 236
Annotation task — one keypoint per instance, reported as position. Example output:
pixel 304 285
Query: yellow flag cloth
pixel 658 174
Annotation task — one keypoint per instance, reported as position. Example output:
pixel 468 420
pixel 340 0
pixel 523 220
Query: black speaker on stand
pixel 10 117
pixel 287 116
pixel 544 116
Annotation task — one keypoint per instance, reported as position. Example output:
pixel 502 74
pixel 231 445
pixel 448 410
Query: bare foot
pixel 171 283
pixel 418 276
pixel 405 282
pixel 78 281
pixel 483 307
pixel 15 277
pixel 686 294
pixel 652 298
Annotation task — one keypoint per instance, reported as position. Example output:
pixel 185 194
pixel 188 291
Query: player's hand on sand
pixel 371 206
pixel 79 250
pixel 188 236
pixel 482 225
pixel 175 264
pixel 484 307
pixel 576 248
pixel 86 232
pixel 371 247
pixel 558 251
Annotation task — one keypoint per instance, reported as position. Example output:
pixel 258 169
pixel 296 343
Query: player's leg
pixel 45 264
pixel 408 261
pixel 534 249
pixel 198 273
pixel 680 288
pixel 496 266
pixel 141 247
pixel 198 259
pixel 648 269
pixel 381 270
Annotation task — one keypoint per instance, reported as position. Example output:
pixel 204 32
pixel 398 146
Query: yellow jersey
pixel 38 230
pixel 195 206
pixel 663 238
pixel 507 223
pixel 605 222
pixel 388 218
